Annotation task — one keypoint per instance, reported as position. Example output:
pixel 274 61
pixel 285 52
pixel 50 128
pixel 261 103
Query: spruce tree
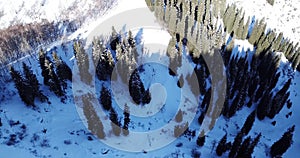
pixel 244 148
pixel 251 147
pixel 45 71
pixel 105 98
pixel 248 123
pixel 33 83
pixel 201 139
pixel 221 148
pixel 115 123
pixel 245 29
pixel 53 82
pixel 105 65
pixel 236 145
pixel 137 91
pixel 282 145
pixel 24 90
pixel 180 82
pixel 83 63
pixel 126 120
pixel 62 69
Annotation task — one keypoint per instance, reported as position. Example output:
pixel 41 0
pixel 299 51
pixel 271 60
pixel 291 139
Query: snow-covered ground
pixel 29 11
pixel 283 16
pixel 57 130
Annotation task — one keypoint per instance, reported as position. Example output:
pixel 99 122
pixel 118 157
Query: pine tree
pixel 221 148
pixel 201 139
pixel 62 69
pixel 115 123
pixel 24 90
pixel 105 98
pixel 251 147
pixel 236 145
pixel 33 83
pixel 53 81
pixel 126 120
pixel 105 65
pixel 201 118
pixel 248 123
pixel 282 145
pixel 45 72
pixel 245 29
pixel 83 63
pixel 137 91
pixel 279 100
pixel 263 107
pixel 244 148
pixel 277 42
pixel 180 82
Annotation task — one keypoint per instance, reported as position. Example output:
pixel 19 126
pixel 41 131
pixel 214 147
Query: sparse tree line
pixel 105 55
pixel 234 22
pixel 120 52
pixel 20 40
pixel 55 73
pixel 191 23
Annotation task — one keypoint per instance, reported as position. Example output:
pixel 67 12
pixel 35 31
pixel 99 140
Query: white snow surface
pixel 30 11
pixel 283 16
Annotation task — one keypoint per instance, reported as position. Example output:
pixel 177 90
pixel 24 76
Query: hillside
pixel 148 76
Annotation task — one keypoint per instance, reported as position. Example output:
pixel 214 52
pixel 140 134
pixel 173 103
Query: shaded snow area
pixel 58 130
pixel 283 16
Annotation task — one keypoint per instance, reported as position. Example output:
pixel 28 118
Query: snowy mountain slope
pixel 283 16
pixel 57 130
pixel 21 11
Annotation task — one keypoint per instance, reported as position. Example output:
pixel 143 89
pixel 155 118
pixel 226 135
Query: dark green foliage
pixel 53 81
pixel 115 123
pixel 45 71
pixel 279 100
pixel 62 69
pixel 25 91
pixel 263 107
pixel 180 82
pixel 33 83
pixel 282 145
pixel 137 91
pixel 201 118
pixel 201 139
pixel 126 120
pixel 105 98
pixel 104 60
pixel 243 150
pixel 236 145
pixel 248 153
pixel 221 148
pixel 248 123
